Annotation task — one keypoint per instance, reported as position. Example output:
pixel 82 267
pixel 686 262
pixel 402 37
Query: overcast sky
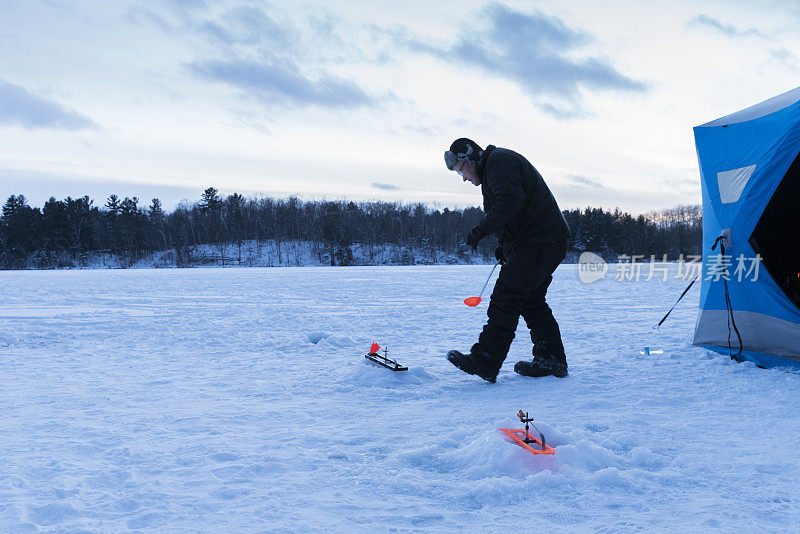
pixel 359 99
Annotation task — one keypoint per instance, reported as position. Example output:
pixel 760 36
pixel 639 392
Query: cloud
pixel 583 180
pixel 263 53
pixel 18 106
pixel 247 25
pixel 142 16
pixel 281 81
pixel 186 6
pixel 534 50
pixel 169 16
pixel 271 54
pixel 785 56
pixel 569 111
pixel 726 29
pixel 681 182
pixel 385 187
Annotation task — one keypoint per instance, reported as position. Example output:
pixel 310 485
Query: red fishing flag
pixel 375 348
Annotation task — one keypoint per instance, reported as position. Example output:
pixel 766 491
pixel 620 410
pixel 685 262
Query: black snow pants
pixel 520 290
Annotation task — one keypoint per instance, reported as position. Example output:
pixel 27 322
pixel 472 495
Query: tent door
pixel 776 237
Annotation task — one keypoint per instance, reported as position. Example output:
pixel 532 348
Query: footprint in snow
pixel 225 457
pixel 7 339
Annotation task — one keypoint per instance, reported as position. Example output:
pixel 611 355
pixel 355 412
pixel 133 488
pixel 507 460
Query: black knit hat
pixel 463 149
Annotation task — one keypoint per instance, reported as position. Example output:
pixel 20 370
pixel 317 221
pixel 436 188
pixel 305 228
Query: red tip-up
pixel 472 301
pixel 375 348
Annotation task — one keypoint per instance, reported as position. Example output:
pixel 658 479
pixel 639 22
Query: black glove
pixel 474 237
pixel 498 254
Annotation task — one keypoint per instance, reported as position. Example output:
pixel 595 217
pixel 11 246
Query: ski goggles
pixel 451 159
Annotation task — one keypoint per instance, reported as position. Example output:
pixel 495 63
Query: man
pixel 520 209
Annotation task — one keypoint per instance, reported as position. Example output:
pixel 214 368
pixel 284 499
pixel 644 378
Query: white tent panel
pixel 732 183
pixel 759 110
pixel 760 333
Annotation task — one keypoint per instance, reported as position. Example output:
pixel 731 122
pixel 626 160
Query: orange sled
pixel 534 446
pixel 525 440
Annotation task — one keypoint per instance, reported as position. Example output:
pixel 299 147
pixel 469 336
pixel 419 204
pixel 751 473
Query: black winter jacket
pixel 520 208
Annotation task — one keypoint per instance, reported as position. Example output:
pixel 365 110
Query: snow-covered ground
pixel 198 400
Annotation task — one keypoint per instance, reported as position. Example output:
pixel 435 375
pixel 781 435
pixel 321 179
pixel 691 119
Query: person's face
pixel 467 172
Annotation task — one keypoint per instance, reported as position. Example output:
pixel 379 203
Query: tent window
pixel 777 235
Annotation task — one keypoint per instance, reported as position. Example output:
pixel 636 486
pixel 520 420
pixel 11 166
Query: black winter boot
pixel 547 361
pixel 477 362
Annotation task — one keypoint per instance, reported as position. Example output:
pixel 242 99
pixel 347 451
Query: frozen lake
pixel 195 400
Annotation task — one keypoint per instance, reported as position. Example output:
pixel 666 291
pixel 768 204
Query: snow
pixel 271 253
pixel 239 400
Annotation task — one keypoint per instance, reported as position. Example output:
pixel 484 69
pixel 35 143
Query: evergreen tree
pixel 210 202
pixel 155 212
pixel 111 215
pixel 79 214
pixel 112 204
pixel 20 227
pixel 54 225
pixel 157 238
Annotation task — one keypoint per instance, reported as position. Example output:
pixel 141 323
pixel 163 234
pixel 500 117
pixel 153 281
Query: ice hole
pixel 316 337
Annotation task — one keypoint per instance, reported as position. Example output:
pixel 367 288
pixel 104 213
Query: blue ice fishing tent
pixel 750 174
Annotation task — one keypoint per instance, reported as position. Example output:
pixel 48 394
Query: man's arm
pixel 504 179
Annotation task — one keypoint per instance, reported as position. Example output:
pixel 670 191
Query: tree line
pixel 66 233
